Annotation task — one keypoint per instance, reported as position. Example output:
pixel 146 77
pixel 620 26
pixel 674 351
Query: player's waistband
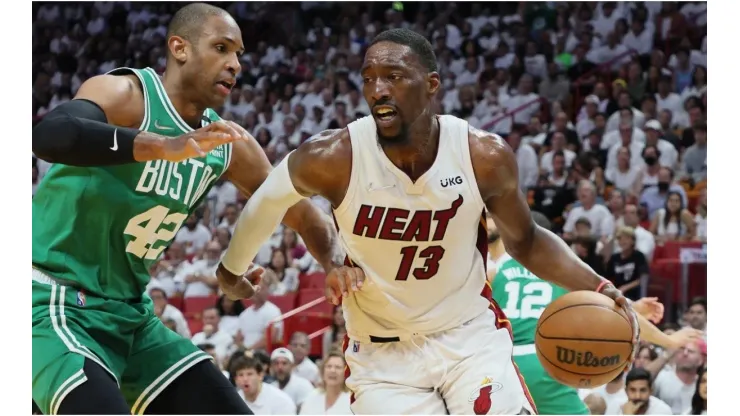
pixel 527 349
pixel 40 277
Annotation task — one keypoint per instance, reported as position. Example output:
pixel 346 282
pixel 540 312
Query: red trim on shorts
pixel 345 345
pixel 501 320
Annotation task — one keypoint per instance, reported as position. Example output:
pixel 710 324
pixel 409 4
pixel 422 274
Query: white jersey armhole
pixel 355 130
pixel 467 163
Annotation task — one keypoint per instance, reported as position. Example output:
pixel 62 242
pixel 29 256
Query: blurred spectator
pixel 655 197
pixel 300 345
pixel 701 217
pixel 644 239
pixel 699 400
pixel 333 397
pixel 624 175
pixel 213 335
pixel 601 220
pixel 229 312
pixel 164 271
pixel 168 313
pixel 526 159
pixel 262 398
pixel 696 314
pixel 673 222
pixel 286 275
pixel 645 356
pixel 335 335
pixel 595 403
pixel 653 137
pixel 295 386
pixel 614 394
pixel 628 268
pixel 558 145
pixel 296 253
pixel 194 235
pixel 676 385
pixel 695 157
pixel 200 278
pixel 253 322
pixel 640 400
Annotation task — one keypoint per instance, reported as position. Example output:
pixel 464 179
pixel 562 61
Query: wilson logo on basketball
pixel 586 359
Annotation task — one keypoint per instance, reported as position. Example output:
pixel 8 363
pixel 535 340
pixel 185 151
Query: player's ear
pixel 433 83
pixel 178 48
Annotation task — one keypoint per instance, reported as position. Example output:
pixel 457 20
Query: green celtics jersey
pixel 101 228
pixel 523 296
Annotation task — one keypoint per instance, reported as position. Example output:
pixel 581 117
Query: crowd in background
pixel 604 104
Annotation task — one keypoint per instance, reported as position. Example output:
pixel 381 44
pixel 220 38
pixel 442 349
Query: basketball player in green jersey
pixel 523 296
pixel 134 155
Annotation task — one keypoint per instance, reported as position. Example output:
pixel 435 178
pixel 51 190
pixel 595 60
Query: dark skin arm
pixel 122 100
pixel 248 170
pixel 537 249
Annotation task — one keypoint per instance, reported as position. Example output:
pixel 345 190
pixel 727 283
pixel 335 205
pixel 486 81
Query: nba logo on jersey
pixel 356 347
pixel 81 298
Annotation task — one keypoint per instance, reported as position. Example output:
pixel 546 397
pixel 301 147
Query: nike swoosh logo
pixel 115 140
pixel 156 124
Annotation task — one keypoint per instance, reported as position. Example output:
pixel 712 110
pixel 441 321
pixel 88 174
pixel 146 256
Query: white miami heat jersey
pixel 422 245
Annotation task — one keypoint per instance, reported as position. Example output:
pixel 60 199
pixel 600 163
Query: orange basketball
pixel 584 339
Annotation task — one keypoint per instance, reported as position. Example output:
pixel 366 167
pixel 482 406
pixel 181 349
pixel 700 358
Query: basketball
pixel 584 339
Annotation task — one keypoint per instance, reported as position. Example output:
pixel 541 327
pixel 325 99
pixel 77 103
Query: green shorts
pixel 550 397
pixel 126 339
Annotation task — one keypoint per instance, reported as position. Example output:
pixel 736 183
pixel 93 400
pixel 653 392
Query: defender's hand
pixel 239 287
pixel 684 336
pixel 198 143
pixel 650 308
pixel 341 280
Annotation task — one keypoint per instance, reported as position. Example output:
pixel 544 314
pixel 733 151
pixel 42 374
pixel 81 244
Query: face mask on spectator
pixel 663 186
pixel 651 160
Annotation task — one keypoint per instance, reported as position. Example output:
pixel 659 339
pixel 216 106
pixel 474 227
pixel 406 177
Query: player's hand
pixel 239 287
pixel 199 142
pixel 650 308
pixel 341 280
pixel 684 336
pixel 624 303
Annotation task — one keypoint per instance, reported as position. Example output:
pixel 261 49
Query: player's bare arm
pixel 99 128
pixel 316 168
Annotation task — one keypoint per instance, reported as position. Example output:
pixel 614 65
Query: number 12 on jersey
pixel 432 254
pixel 528 300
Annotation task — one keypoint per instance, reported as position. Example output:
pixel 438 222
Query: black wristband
pixel 76 133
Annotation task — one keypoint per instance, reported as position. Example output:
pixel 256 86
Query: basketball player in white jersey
pixel 409 189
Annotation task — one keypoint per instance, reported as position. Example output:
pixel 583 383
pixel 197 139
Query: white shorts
pixel 464 371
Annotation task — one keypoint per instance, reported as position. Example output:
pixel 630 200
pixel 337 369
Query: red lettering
pixel 419 226
pixel 443 218
pixel 366 224
pixel 408 254
pixel 392 228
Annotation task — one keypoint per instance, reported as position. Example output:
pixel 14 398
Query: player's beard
pixel 402 138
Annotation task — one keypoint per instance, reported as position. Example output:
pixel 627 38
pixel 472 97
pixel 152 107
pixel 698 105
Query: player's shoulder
pixel 120 97
pixel 494 163
pixel 484 143
pixel 326 146
pixel 322 165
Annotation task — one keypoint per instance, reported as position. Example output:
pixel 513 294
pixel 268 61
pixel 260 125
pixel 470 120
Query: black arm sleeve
pixel 76 133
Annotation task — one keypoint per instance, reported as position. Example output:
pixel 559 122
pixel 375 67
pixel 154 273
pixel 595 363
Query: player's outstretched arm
pixel 539 250
pixel 98 128
pixel 280 194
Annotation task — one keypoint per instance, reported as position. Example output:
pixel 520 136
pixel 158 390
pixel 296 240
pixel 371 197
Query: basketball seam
pixel 618 341
pixel 584 304
pixel 573 372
